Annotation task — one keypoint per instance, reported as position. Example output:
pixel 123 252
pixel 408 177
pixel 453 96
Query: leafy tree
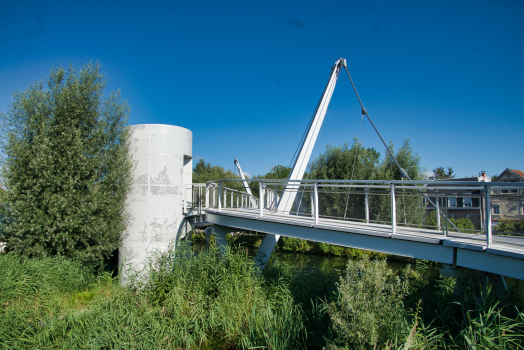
pixel 360 163
pixel 279 172
pixel 344 163
pixel 66 166
pixel 409 207
pixel 203 172
pixel 440 173
pixel 3 209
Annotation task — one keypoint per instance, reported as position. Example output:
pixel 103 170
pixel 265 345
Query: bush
pixel 510 226
pixel 66 167
pixel 463 224
pixel 369 310
pixel 297 245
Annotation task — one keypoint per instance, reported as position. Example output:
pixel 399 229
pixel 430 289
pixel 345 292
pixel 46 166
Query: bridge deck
pixel 511 246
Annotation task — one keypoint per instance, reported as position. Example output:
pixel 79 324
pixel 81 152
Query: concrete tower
pixel 163 158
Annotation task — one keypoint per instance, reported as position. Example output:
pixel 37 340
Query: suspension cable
pixel 403 172
pixel 354 163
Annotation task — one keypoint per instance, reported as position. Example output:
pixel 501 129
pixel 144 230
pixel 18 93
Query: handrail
pixel 399 191
pixel 386 182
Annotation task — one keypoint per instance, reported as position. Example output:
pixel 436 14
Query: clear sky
pixel 245 76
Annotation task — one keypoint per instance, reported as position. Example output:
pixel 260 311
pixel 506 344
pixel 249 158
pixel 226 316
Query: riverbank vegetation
pixel 214 301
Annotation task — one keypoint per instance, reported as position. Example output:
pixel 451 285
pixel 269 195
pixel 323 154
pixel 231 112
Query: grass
pixel 208 300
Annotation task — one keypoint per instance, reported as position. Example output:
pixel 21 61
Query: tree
pixel 343 163
pixel 66 166
pixel 440 173
pixel 278 172
pixel 203 172
pixel 360 163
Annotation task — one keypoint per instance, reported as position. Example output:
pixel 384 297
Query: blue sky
pixel 245 76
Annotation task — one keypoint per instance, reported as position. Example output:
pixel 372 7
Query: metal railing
pixel 451 208
pixel 199 196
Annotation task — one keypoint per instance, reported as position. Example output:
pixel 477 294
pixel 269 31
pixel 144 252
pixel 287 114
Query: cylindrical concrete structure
pixel 163 168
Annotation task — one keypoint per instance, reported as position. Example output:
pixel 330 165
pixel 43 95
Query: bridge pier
pixel 266 249
pixel 220 233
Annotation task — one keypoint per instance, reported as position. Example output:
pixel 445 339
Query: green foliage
pixel 66 169
pixel 440 173
pixel 463 224
pixel 203 172
pixel 359 163
pixel 204 301
pixel 510 226
pixel 369 308
pixel 23 278
pixel 214 301
pixel 279 172
pixel 338 163
pixel 294 244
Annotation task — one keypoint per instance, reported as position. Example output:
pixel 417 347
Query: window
pixel 467 202
pixel 496 209
pixel 509 191
pixel 452 201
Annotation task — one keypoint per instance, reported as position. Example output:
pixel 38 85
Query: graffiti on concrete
pixel 159 185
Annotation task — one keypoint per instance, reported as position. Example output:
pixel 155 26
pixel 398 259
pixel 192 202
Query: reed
pixel 209 300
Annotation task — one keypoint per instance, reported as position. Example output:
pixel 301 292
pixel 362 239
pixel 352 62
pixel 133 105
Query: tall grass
pixel 180 301
pixel 183 300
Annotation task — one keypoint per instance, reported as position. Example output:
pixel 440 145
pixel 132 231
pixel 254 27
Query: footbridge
pixel 406 218
pixel 417 219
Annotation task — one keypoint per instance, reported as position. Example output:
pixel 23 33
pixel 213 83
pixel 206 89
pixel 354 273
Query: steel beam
pixel 418 250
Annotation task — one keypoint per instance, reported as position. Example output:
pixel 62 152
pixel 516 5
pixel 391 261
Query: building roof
pixel 518 172
pixel 515 172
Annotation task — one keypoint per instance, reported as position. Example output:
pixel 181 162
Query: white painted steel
pixel 315 201
pixel 244 182
pixel 261 198
pixel 367 204
pixel 163 158
pixel 219 196
pixel 438 212
pixel 299 167
pixel 393 210
pixel 489 239
pixel 406 231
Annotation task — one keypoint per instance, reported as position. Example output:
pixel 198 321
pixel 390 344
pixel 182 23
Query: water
pixel 313 276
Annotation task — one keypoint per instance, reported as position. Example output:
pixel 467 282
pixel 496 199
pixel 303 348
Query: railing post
pixel 367 204
pixel 446 233
pixel 438 213
pixel 261 199
pixel 489 238
pixel 242 200
pixel 276 198
pixel 238 196
pixel 312 200
pixel 316 202
pixel 220 196
pixel 232 205
pixel 393 209
pixel 207 195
